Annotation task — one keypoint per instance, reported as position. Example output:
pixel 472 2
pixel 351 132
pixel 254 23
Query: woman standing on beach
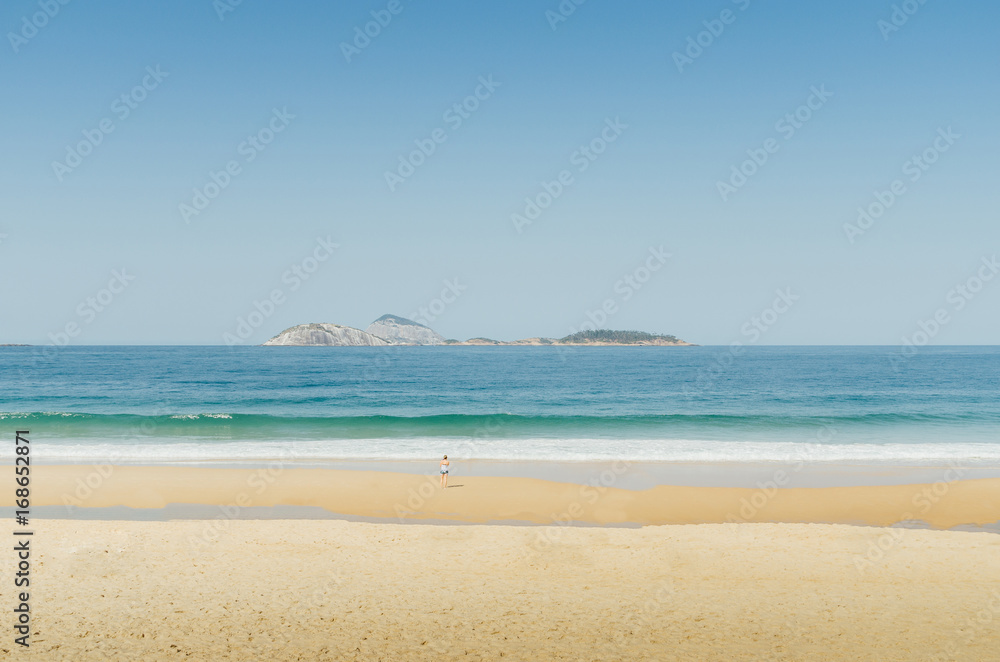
pixel 444 471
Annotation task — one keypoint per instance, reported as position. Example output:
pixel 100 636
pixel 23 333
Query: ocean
pixel 659 404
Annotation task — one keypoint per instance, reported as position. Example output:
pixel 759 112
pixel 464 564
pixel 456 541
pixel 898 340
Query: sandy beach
pixel 485 331
pixel 334 590
pixel 400 497
pixel 564 588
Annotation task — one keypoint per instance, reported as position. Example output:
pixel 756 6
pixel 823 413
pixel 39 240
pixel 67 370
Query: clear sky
pixel 839 97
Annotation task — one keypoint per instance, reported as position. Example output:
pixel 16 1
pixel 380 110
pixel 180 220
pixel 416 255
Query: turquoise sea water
pixel 177 404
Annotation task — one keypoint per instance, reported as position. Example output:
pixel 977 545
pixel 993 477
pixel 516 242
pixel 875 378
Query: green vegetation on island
pixel 616 337
pixel 396 330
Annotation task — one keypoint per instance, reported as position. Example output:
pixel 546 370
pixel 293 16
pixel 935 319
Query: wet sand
pixel 945 503
pixel 591 578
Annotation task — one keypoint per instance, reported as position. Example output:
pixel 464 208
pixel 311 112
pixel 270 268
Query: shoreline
pixel 951 501
pixel 641 474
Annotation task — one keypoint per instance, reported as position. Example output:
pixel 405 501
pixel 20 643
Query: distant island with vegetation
pixel 395 330
pixel 596 337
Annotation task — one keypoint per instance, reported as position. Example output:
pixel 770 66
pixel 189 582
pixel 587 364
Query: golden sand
pixel 235 589
pixel 497 500
pixel 334 590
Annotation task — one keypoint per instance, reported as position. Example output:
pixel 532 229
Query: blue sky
pixel 553 87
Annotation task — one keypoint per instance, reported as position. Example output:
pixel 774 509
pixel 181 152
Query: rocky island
pixel 319 335
pixel 401 331
pixel 396 330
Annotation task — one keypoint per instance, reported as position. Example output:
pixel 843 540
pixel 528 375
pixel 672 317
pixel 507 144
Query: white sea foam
pixel 555 450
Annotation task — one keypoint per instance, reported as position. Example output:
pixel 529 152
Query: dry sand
pixel 334 590
pixel 238 589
